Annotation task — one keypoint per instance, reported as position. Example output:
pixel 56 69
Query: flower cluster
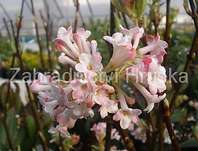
pixel 76 99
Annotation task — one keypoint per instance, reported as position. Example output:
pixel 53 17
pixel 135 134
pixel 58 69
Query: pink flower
pixel 150 74
pixel 83 92
pixel 122 50
pixel 65 119
pixel 156 78
pixel 106 105
pixel 99 130
pixel 155 47
pixel 89 64
pixel 77 51
pixel 54 99
pixel 150 98
pixel 134 33
pixel 41 84
pixel 149 78
pixel 102 98
pixel 126 115
pixel 64 43
pixel 80 38
pixel 82 111
pixel 63 106
pixel 66 60
pixel 115 134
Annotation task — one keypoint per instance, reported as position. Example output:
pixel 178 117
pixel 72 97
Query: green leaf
pixel 140 6
pixel 179 115
pixel 12 125
pixel 31 127
pixel 2 135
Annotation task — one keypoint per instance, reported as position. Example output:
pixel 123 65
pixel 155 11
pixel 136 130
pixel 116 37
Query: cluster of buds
pixel 66 102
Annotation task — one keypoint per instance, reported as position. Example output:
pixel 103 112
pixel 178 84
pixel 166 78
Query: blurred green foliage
pixel 180 45
pixel 5 49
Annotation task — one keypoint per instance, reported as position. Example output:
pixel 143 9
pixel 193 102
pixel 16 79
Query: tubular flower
pixel 150 79
pixel 77 51
pixel 126 115
pixel 123 49
pixel 67 102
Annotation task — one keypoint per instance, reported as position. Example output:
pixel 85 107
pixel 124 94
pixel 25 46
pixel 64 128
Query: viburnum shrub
pixel 135 64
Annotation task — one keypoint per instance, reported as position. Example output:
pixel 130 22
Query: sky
pixel 101 8
pixel 12 6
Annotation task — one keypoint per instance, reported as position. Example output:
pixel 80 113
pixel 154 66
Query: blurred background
pixel 27 31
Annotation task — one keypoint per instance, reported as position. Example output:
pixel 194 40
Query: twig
pixel 5 11
pixel 77 5
pixel 7 29
pixel 20 20
pixel 112 19
pixel 166 118
pixel 28 6
pixel 194 13
pixel 48 32
pixel 112 23
pixel 167 30
pixel 161 127
pixel 90 8
pixel 81 18
pixel 58 8
pixel 91 11
pixel 164 104
pixel 47 25
pixel 37 35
